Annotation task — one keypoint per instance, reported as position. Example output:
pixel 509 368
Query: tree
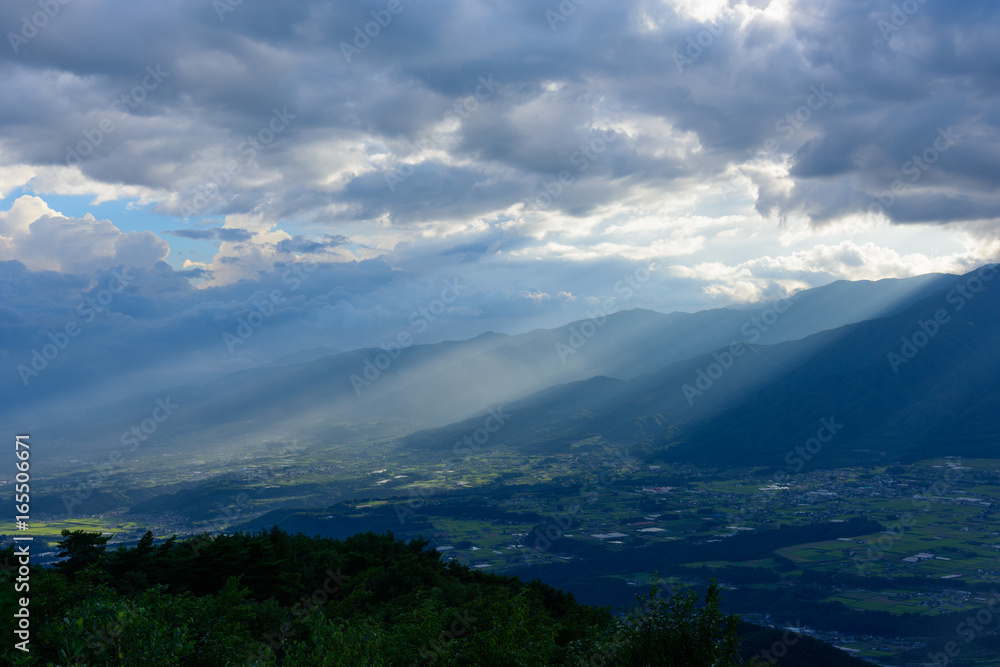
pixel 671 631
pixel 81 549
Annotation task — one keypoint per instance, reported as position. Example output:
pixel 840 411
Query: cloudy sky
pixel 167 168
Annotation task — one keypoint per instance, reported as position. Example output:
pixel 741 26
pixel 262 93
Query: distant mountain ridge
pixel 924 381
pixel 392 391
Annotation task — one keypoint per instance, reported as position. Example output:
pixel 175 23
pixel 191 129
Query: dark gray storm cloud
pixel 221 233
pixel 300 244
pixel 894 76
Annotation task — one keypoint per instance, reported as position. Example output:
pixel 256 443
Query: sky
pixel 168 169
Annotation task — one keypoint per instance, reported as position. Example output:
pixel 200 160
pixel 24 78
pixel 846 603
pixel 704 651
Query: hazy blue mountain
pixel 304 356
pixel 899 387
pixel 351 396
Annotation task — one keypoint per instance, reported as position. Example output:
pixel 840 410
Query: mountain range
pixel 750 383
pixel 920 381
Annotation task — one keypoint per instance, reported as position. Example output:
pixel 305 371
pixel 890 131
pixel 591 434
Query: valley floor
pixel 601 524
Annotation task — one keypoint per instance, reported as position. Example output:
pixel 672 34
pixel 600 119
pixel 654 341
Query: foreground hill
pixel 276 599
